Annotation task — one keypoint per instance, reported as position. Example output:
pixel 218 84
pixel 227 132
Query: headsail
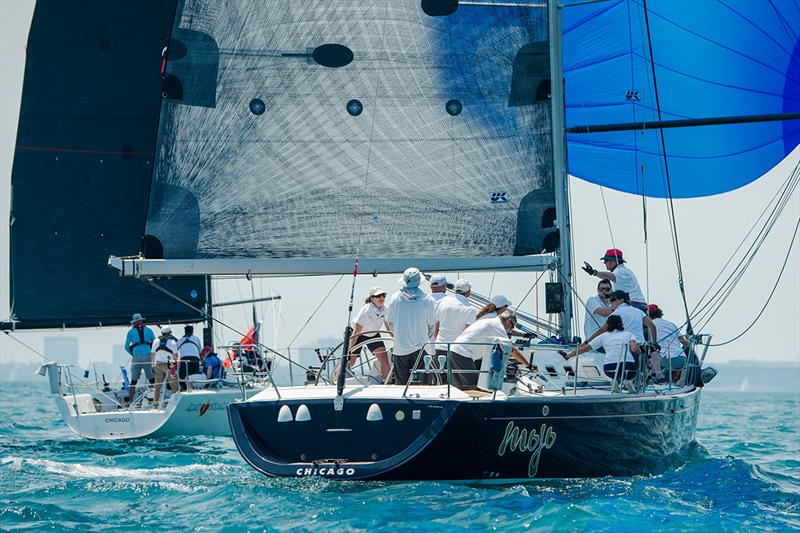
pixel 713 58
pixel 317 129
pixel 83 164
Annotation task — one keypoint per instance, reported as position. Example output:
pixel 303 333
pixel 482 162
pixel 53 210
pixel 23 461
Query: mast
pixel 560 178
pixel 208 331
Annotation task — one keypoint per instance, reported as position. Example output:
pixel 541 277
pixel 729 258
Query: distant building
pixel 62 349
pixel 119 356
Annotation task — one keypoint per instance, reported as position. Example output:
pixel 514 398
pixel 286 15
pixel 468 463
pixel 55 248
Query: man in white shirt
pixel 164 350
pixel 622 277
pixel 633 319
pixel 454 315
pixel 410 317
pixel 438 293
pixel 469 356
pixel 188 355
pixel 597 309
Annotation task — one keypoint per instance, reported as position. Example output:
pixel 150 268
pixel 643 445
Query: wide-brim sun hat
pixel 410 278
pixel 137 317
pixel 166 330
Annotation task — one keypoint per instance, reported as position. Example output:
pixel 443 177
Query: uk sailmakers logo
pixel 524 440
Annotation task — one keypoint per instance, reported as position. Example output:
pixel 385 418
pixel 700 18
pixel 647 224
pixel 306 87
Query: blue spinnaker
pixel 713 58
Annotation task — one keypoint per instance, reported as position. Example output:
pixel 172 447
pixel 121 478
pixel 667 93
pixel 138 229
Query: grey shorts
pixel 141 363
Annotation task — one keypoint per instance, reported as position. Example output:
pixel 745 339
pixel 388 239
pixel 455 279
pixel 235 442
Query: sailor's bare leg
pixel 383 359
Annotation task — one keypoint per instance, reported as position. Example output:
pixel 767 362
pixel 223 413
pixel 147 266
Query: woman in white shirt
pixel 619 346
pixel 367 325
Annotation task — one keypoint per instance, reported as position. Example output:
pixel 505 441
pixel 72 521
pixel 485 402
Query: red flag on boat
pixel 247 340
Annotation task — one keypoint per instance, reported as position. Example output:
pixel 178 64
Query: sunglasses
pixel 614 299
pixel 379 296
pixel 604 289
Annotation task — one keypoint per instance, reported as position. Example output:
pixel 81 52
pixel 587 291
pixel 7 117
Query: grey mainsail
pixel 318 129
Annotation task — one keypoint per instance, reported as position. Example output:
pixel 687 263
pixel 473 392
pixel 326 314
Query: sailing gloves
pixel 588 269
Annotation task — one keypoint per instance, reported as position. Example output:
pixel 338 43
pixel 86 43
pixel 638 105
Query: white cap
pixel 166 330
pixel 410 278
pixel 438 280
pixel 501 301
pixel 374 291
pixel 462 286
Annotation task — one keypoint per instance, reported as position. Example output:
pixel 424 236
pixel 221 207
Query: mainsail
pixel 321 129
pixel 83 163
pixel 706 59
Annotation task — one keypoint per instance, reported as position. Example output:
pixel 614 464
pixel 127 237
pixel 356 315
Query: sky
pixel 709 230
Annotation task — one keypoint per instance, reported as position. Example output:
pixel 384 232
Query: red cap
pixel 652 307
pixel 614 254
pixel 206 350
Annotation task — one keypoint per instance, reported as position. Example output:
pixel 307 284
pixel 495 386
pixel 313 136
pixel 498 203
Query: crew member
pixel 410 317
pixel 164 350
pixel 672 343
pixel 622 277
pixel 367 324
pixel 598 308
pixel 188 355
pixel 454 315
pixel 619 346
pixel 468 356
pixel 137 343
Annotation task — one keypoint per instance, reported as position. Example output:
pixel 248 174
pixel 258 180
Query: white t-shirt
pixel 631 320
pixel 479 331
pixel 593 321
pixel 163 356
pixel 614 343
pixel 370 318
pixel 667 334
pixel 454 314
pixel 189 346
pixel 491 314
pixel 626 281
pixel 412 319
pixel 437 298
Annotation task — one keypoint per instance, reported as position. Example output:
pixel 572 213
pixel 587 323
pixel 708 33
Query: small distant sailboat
pixel 744 386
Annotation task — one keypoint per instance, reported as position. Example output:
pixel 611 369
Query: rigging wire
pixel 771 293
pixel 29 347
pixel 673 225
pixel 777 194
pixel 315 310
pixel 151 283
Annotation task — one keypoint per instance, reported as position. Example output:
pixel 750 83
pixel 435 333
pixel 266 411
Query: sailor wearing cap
pixel 633 320
pixel 493 309
pixel 164 350
pixel 410 316
pixel 621 276
pixel 366 325
pixel 137 343
pixel 438 287
pixel 454 315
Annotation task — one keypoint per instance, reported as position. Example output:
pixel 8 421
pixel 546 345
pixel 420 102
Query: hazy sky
pixel 709 229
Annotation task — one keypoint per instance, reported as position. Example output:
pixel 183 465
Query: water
pixel 744 475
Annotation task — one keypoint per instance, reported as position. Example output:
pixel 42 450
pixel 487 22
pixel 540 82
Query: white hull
pixel 198 412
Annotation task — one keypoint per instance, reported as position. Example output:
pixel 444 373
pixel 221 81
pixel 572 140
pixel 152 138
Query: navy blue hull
pixel 469 440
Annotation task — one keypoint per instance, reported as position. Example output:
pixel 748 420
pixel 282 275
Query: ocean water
pixel 743 475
